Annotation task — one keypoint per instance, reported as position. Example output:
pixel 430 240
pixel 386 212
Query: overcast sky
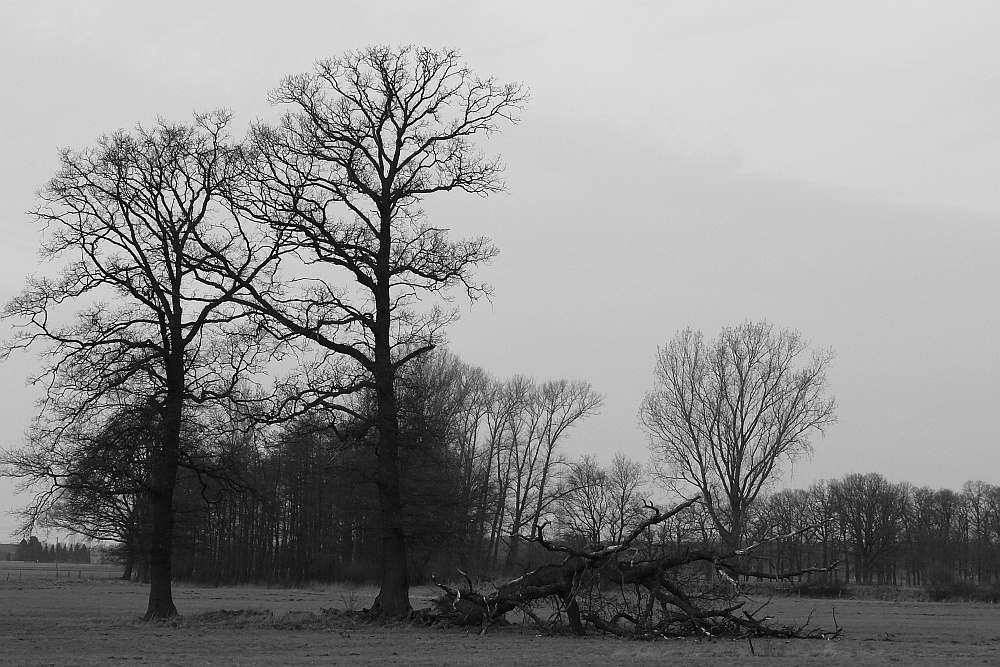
pixel 831 167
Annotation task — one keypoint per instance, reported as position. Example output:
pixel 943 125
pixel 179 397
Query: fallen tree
pixel 634 589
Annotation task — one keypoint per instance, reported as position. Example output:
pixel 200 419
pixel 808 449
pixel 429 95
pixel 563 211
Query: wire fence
pixel 17 571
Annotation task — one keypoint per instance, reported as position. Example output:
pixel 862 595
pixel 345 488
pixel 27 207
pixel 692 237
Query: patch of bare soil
pixel 96 623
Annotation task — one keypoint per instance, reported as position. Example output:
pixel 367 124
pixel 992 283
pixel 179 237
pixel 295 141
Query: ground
pixel 77 621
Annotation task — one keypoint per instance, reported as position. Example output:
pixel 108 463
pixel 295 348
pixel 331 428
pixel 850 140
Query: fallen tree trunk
pixel 630 589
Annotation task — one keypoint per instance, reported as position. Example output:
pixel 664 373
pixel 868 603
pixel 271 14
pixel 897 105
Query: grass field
pixel 95 622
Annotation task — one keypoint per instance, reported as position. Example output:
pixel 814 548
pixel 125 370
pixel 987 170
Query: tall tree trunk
pixel 164 480
pixel 393 599
pixel 161 603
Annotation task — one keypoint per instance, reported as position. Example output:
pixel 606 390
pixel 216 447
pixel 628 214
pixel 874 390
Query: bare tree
pixel 983 503
pixel 584 509
pixel 546 412
pixel 725 415
pixel 92 481
pixel 873 511
pixel 135 218
pixel 821 513
pixel 371 134
pixel 601 504
pixel 457 396
pixel 625 481
pixel 506 401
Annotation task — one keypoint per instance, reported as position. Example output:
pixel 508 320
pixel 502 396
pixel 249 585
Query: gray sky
pixel 829 167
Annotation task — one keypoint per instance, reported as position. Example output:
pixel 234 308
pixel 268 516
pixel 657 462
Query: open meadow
pixel 96 622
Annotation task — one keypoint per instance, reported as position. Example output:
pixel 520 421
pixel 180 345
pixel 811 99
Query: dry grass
pixel 96 623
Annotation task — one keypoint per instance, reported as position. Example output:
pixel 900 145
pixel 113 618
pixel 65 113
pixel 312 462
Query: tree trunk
pixel 573 615
pixel 129 564
pixel 161 603
pixel 514 549
pixel 600 587
pixel 163 481
pixel 393 599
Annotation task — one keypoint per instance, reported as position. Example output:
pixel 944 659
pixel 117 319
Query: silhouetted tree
pixel 135 219
pixel 531 454
pixel 873 511
pixel 371 135
pixel 95 483
pixel 725 415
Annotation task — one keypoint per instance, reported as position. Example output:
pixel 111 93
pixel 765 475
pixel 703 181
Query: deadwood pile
pixel 631 589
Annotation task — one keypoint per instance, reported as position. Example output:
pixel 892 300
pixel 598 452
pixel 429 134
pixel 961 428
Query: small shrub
pixel 351 599
pixel 823 589
pixel 358 573
pixel 988 593
pixel 963 591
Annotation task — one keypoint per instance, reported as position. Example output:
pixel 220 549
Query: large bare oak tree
pixel 370 135
pixel 133 221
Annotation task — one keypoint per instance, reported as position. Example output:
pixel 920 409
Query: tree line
pixel 483 470
pixel 887 533
pixel 32 551
pixel 483 464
